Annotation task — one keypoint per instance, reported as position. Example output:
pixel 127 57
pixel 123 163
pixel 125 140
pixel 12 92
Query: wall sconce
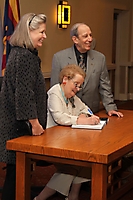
pixel 63 14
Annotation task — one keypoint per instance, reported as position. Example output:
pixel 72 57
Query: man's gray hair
pixel 74 29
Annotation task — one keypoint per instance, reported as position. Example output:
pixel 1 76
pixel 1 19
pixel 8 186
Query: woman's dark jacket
pixel 22 97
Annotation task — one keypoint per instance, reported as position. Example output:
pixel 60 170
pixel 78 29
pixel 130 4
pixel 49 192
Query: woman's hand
pixel 83 119
pixel 37 129
pixel 93 120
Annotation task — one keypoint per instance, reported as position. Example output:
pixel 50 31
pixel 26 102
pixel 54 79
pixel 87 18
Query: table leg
pixel 99 182
pixel 23 176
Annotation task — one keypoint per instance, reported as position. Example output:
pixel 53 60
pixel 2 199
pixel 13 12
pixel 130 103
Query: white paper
pixel 96 127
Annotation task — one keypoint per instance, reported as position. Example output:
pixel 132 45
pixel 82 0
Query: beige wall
pixel 98 14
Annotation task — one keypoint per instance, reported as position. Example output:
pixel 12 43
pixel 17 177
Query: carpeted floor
pixel 42 174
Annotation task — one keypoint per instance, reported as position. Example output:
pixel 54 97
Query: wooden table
pixel 96 148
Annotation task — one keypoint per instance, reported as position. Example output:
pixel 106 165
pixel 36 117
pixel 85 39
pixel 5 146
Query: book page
pixel 96 127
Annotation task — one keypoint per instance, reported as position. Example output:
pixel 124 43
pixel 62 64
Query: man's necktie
pixel 82 63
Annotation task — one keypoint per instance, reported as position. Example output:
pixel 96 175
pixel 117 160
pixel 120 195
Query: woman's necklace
pixel 65 99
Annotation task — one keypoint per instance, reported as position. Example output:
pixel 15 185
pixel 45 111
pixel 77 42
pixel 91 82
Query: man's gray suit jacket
pixel 97 84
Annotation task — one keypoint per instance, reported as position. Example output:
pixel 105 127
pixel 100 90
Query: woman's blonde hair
pixel 70 71
pixel 29 21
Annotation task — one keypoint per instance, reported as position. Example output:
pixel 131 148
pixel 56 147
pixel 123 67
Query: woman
pixel 23 94
pixel 65 108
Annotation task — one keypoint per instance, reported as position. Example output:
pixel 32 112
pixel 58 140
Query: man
pixel 97 83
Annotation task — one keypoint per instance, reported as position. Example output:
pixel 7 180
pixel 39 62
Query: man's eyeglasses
pixel 77 86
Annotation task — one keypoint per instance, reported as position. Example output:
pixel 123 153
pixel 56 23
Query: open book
pixel 96 127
